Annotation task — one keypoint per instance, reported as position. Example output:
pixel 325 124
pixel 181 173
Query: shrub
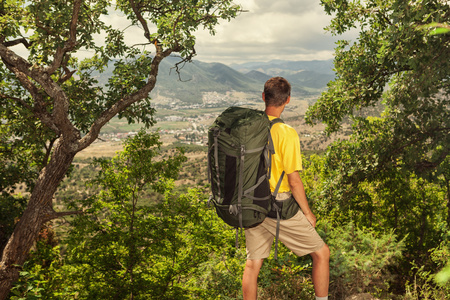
pixel 425 284
pixel 360 261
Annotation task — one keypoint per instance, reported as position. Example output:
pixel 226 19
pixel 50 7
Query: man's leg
pixel 321 271
pixel 250 278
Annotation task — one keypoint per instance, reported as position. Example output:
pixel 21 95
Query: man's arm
pixel 298 191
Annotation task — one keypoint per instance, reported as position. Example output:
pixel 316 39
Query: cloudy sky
pixel 271 29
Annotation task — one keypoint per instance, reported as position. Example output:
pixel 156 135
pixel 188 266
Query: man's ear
pixel 263 97
pixel 288 100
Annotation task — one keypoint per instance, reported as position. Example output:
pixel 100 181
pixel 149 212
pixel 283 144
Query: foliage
pixel 441 257
pixel 158 260
pixel 11 207
pixel 220 276
pixel 20 157
pixel 413 207
pixel 52 105
pixel 392 49
pixel 37 280
pixel 40 277
pixel 443 276
pixel 425 284
pixel 391 174
pixel 120 248
pixel 289 277
pixel 117 231
pixel 313 179
pixel 361 259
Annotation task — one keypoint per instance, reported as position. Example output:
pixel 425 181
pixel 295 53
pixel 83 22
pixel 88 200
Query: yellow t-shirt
pixel 287 154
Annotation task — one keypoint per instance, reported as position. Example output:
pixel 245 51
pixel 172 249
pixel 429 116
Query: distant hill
pixel 197 78
pixel 280 67
pixel 258 76
pixel 310 75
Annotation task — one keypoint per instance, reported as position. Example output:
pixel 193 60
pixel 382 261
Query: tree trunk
pixel 39 210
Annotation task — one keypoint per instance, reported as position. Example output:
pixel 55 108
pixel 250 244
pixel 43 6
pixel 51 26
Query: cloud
pixel 289 30
pixel 267 30
pixel 295 7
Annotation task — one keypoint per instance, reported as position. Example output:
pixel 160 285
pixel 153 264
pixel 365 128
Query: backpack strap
pixel 278 210
pixel 275 192
pixel 271 147
pixel 241 183
pixel 216 158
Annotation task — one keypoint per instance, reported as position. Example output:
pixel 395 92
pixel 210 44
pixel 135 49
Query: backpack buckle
pixel 234 209
pixel 215 131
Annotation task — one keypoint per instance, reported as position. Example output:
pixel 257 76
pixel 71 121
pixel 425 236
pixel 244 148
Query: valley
pixel 187 102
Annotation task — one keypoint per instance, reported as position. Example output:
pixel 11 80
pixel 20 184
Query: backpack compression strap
pixel 216 159
pixel 275 192
pixel 278 210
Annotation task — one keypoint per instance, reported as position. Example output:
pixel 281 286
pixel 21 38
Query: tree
pixel 136 251
pixel 125 245
pixel 395 47
pixel 400 60
pixel 58 95
pixel 387 175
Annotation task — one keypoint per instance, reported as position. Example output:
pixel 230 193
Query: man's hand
pixel 298 191
pixel 311 218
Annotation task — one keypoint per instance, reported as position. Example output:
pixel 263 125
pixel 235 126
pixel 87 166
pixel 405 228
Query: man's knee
pixel 250 278
pixel 253 265
pixel 322 254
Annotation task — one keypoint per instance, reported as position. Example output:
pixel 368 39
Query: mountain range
pixel 196 78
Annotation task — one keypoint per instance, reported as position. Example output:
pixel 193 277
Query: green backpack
pixel 239 157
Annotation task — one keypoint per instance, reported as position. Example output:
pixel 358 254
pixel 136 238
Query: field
pixel 100 149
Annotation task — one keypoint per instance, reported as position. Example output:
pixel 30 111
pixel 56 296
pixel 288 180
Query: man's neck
pixel 274 111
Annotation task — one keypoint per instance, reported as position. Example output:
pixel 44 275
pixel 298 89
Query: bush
pixel 289 281
pixel 360 261
pixel 425 284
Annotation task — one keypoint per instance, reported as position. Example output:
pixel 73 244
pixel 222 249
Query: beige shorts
pixel 296 233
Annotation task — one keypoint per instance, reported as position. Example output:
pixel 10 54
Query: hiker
pixel 297 232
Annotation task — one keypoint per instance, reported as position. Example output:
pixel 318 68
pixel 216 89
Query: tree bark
pixel 39 210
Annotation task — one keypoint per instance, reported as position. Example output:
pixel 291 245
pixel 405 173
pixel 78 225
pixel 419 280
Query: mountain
pixel 311 76
pixel 277 67
pixel 258 76
pixel 196 78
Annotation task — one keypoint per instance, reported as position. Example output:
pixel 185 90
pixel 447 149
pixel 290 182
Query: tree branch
pixel 48 151
pixel 142 21
pixel 56 215
pixel 39 108
pixel 70 43
pixel 129 99
pixel 18 41
pixel 58 121
pixel 19 100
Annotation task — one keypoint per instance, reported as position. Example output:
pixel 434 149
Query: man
pixel 297 232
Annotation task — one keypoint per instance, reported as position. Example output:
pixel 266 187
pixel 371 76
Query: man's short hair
pixel 276 91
